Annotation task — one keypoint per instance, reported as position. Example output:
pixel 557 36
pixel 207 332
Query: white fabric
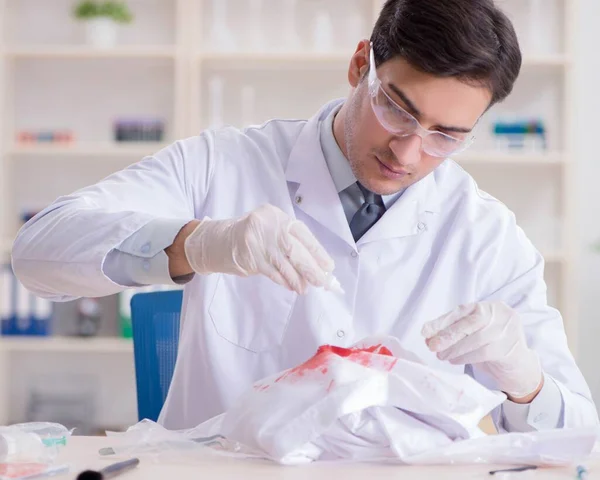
pixel 369 402
pixel 266 242
pixel 488 335
pixel 537 415
pixel 443 243
pixel 141 258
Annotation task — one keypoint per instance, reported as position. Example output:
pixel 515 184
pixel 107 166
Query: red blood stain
pixel 390 365
pixel 319 362
pixel 346 352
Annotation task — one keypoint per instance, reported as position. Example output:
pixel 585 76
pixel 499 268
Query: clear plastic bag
pixel 151 440
pixel 26 471
pixel 35 442
pixel 545 448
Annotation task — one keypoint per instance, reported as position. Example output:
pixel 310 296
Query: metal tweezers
pixel 516 469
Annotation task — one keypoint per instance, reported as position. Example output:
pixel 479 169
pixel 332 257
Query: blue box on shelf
pixel 520 135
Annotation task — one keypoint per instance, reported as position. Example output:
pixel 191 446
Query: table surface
pixel 82 453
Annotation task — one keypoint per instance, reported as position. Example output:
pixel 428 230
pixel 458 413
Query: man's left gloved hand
pixel 488 335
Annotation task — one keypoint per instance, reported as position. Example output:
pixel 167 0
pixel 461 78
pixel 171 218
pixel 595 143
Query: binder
pixel 22 312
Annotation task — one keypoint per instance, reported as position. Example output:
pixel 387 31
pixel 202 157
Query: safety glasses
pixel 399 122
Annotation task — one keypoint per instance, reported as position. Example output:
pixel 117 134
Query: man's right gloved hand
pixel 266 241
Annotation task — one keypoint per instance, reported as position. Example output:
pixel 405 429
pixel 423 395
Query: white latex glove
pixel 489 335
pixel 266 241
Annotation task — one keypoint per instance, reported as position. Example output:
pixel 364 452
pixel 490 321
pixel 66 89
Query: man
pixel 259 224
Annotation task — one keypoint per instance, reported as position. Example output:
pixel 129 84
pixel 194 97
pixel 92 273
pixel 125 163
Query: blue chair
pixel 155 325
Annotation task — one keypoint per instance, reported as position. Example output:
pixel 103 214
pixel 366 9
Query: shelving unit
pixel 234 60
pixel 99 149
pixel 53 52
pixel 546 61
pixel 512 159
pixel 559 61
pixel 169 75
pixel 108 345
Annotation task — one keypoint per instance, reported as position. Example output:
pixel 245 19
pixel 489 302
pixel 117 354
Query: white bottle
pixel 6 306
pixel 323 32
pixel 24 307
pixel 257 39
pixel 215 92
pixel 248 105
pixel 537 41
pixel 355 27
pixel 19 446
pixel 291 39
pixel 221 37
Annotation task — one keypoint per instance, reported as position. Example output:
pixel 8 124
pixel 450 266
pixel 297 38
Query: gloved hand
pixel 489 335
pixel 265 241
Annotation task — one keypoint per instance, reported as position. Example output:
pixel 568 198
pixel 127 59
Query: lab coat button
pixel 299 199
pixel 540 417
pixel 354 254
pixel 421 226
pixel 145 248
pixel 341 333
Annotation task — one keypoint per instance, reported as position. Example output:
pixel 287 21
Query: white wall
pixel 587 148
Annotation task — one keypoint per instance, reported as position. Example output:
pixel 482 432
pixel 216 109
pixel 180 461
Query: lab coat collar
pixel 300 165
pixel 317 195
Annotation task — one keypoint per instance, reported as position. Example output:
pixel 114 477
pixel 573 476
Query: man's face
pixel 386 163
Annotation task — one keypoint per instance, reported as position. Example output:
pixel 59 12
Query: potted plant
pixel 101 20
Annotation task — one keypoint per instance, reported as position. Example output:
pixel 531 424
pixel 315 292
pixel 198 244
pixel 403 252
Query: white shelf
pixel 243 59
pixel 5 247
pixel 555 60
pixel 133 149
pixel 54 344
pixel 249 60
pixel 83 52
pixel 519 159
pixel 151 51
pixel 554 257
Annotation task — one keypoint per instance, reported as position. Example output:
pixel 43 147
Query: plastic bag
pixel 546 448
pixel 151 440
pixel 24 471
pixel 35 442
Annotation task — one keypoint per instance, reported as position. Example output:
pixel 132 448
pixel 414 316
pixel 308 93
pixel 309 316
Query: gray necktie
pixel 368 214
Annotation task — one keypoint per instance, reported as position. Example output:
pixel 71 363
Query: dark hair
pixel 471 40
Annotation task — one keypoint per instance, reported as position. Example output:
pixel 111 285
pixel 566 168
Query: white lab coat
pixel 443 243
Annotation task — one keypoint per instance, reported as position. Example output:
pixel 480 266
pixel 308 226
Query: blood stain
pixel 319 362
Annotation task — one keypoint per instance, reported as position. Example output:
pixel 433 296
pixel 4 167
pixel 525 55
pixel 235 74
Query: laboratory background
pixel 83 95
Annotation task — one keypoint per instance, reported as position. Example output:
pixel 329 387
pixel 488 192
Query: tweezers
pixel 516 469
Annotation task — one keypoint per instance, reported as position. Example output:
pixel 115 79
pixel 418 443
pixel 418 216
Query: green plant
pixel 117 11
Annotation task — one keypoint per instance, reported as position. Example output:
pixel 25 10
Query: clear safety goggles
pixel 399 122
